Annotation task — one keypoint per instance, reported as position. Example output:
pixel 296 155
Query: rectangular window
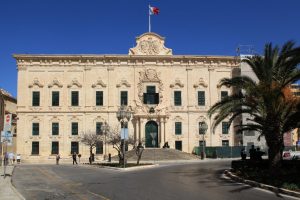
pixel 35 98
pixel 74 128
pixel 35 150
pixel 55 128
pixel 35 128
pixel 151 97
pixel 201 143
pixel 178 128
pixel 98 128
pixel 177 98
pixel 225 143
pixel 225 127
pixel 99 147
pixel 55 98
pixel 99 98
pixel 74 147
pixel 124 98
pixel 55 148
pixel 201 98
pixel 224 94
pixel 74 98
pixel 178 145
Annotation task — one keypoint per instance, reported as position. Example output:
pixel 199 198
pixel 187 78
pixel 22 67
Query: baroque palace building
pixel 62 96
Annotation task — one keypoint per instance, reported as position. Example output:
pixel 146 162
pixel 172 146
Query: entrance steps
pixel 157 154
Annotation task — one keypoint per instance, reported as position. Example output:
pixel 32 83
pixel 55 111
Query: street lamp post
pixel 203 128
pixel 105 129
pixel 123 115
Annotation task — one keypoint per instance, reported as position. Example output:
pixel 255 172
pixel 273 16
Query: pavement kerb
pixel 122 169
pixel 261 185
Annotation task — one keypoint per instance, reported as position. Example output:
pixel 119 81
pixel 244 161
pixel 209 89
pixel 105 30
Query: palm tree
pixel 271 109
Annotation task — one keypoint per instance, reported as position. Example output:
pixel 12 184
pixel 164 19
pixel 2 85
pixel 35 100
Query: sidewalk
pixel 7 190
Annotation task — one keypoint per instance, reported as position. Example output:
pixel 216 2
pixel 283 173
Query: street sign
pixel 7 137
pixel 7 122
pixel 124 133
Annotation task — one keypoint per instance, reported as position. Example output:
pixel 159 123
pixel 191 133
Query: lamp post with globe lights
pixel 202 130
pixel 105 129
pixel 123 116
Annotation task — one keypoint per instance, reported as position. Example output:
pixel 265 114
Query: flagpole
pixel 149 19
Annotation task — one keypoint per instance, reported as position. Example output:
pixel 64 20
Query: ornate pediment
pixel 123 82
pixel 36 82
pixel 100 83
pixel 75 82
pixel 150 44
pixel 55 82
pixel 201 82
pixel 177 83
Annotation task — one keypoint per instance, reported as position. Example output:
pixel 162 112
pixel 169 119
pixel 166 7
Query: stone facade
pixel 149 65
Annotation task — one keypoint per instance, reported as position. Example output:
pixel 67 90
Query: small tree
pixel 139 151
pixel 91 139
pixel 114 139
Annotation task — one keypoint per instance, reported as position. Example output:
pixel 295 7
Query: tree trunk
pixel 275 144
pixel 91 152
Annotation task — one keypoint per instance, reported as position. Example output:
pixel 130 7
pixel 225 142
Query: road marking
pixel 98 195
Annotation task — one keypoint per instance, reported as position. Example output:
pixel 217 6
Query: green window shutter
pixel 201 98
pixel 151 89
pixel 74 147
pixel 35 150
pixel 124 98
pixel 224 94
pixel 55 98
pixel 98 128
pixel 225 127
pixel 99 147
pixel 99 98
pixel 177 98
pixel 74 98
pixel 35 128
pixel 74 128
pixel 225 143
pixel 35 98
pixel 178 145
pixel 55 148
pixel 178 127
pixel 55 128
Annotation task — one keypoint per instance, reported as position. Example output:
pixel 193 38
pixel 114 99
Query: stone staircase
pixel 157 154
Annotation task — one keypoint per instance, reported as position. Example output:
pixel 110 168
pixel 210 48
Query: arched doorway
pixel 151 132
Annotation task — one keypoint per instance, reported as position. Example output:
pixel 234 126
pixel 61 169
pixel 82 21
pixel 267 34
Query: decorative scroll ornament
pixel 55 82
pixel 75 82
pixel 201 82
pixel 37 83
pixel 177 83
pixel 100 83
pixel 150 44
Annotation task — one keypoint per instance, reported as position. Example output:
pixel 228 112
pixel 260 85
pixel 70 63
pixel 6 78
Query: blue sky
pixel 214 27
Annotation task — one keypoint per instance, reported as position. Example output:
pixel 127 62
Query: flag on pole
pixel 153 10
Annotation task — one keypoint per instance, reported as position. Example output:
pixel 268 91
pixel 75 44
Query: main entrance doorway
pixel 151 129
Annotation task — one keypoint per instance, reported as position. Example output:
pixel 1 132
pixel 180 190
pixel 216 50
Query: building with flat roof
pixel 62 96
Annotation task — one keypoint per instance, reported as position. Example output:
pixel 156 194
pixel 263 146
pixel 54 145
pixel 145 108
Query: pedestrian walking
pixel 74 158
pixel 57 159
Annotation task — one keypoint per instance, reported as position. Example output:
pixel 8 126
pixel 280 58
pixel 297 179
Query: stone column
pixel 159 133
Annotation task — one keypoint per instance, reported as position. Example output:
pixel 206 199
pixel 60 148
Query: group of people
pixel 74 158
pixel 255 154
pixel 10 158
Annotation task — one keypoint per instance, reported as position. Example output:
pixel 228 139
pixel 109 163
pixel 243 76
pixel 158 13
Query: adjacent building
pixel 60 97
pixel 8 106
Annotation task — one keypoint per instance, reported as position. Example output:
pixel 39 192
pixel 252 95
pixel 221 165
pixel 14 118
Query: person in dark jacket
pixel 74 158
